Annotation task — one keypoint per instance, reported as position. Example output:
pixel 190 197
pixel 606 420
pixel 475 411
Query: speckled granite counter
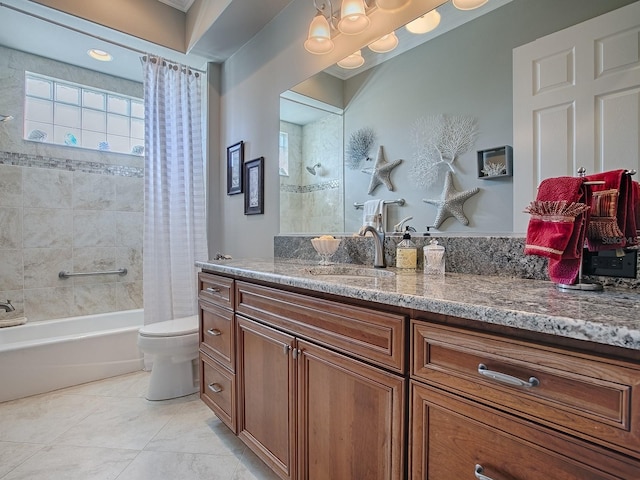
pixel 611 317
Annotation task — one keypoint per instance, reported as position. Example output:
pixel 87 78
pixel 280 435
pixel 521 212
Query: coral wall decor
pixel 438 140
pixel 360 143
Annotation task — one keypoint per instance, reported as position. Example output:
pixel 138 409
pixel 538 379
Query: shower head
pixel 5 118
pixel 312 170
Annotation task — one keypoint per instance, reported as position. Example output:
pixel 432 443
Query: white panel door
pixel 576 103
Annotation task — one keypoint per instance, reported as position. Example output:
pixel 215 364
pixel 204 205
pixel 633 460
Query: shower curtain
pixel 174 192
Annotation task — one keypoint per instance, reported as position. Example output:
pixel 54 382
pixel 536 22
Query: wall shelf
pixel 495 162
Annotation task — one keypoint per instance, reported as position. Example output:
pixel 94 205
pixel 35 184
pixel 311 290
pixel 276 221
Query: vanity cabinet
pixel 515 410
pixel 323 387
pixel 312 412
pixel 217 359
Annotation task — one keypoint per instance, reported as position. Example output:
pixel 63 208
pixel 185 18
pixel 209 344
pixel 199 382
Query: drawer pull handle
pixel 212 290
pixel 215 387
pixel 478 471
pixel 508 379
pixel 214 332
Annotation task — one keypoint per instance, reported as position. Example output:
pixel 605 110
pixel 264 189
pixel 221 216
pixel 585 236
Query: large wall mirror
pixel 465 72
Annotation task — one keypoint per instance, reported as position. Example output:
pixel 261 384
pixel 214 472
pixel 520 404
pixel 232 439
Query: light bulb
pixel 468 4
pixel 353 19
pixel 354 60
pixel 425 23
pixel 319 39
pixel 384 44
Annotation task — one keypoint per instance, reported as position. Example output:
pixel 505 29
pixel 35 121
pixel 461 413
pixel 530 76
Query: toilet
pixel 174 346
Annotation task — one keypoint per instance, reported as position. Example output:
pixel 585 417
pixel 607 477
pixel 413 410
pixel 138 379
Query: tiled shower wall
pixel 65 208
pixel 311 203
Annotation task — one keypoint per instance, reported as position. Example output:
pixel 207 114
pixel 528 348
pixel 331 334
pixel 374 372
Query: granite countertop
pixel 610 317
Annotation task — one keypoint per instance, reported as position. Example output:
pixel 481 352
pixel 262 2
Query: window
pixel 64 113
pixel 284 154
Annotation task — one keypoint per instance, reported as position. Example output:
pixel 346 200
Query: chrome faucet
pixel 378 242
pixel 7 306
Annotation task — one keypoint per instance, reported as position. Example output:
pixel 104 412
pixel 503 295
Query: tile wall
pixel 63 208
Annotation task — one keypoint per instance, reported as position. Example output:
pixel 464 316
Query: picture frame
pixel 235 161
pixel 254 186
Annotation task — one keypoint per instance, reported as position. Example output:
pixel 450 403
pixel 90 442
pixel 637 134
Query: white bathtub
pixel 43 356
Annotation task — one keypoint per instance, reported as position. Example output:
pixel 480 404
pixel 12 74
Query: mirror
pixel 311 165
pixel 465 72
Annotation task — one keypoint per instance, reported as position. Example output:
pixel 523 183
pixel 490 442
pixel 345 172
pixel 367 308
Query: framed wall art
pixel 235 159
pixel 254 186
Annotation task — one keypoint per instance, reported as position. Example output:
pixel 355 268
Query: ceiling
pixel 34 28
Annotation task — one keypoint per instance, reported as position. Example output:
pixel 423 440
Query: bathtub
pixel 43 356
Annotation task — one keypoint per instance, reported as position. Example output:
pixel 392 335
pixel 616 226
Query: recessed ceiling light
pixel 100 55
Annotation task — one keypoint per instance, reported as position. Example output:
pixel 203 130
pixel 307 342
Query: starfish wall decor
pixel 451 202
pixel 381 172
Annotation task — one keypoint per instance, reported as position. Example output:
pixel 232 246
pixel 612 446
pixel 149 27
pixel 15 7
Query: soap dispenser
pixel 434 260
pixel 406 252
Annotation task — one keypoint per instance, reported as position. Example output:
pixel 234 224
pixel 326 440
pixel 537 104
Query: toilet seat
pixel 171 328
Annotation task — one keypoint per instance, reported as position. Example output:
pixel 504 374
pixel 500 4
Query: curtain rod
pixel 97 37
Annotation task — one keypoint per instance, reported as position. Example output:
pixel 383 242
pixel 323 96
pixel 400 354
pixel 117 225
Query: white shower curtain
pixel 174 193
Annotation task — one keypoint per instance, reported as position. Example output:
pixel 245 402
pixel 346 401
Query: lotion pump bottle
pixel 406 252
pixel 434 258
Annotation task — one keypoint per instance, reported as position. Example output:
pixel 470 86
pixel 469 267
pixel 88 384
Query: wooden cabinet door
pixel 350 418
pixel 266 393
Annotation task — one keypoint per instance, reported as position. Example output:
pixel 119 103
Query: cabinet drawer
pixel 363 332
pixel 217 334
pixel 216 289
pixel 451 436
pixel 584 395
pixel 218 390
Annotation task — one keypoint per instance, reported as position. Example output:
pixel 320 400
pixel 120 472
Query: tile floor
pixel 107 430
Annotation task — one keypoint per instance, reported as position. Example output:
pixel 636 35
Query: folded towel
pixel 612 224
pixel 557 226
pixel 372 211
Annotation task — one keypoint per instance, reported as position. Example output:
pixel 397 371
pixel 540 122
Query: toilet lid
pixel 171 328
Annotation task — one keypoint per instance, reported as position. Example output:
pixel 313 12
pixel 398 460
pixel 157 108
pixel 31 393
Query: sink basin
pixel 350 271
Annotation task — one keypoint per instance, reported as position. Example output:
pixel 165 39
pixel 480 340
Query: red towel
pixel 557 226
pixel 612 223
pixel 636 189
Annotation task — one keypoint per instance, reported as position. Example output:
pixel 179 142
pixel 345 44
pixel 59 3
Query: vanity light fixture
pixel 353 17
pixel 391 4
pixel 354 60
pixel 468 4
pixel 100 55
pixel 385 43
pixel 425 23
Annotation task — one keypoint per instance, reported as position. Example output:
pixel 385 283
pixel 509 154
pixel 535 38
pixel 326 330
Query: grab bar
pixel 63 274
pixel 400 202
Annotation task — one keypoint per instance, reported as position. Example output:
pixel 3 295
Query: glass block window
pixel 284 154
pixel 64 113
